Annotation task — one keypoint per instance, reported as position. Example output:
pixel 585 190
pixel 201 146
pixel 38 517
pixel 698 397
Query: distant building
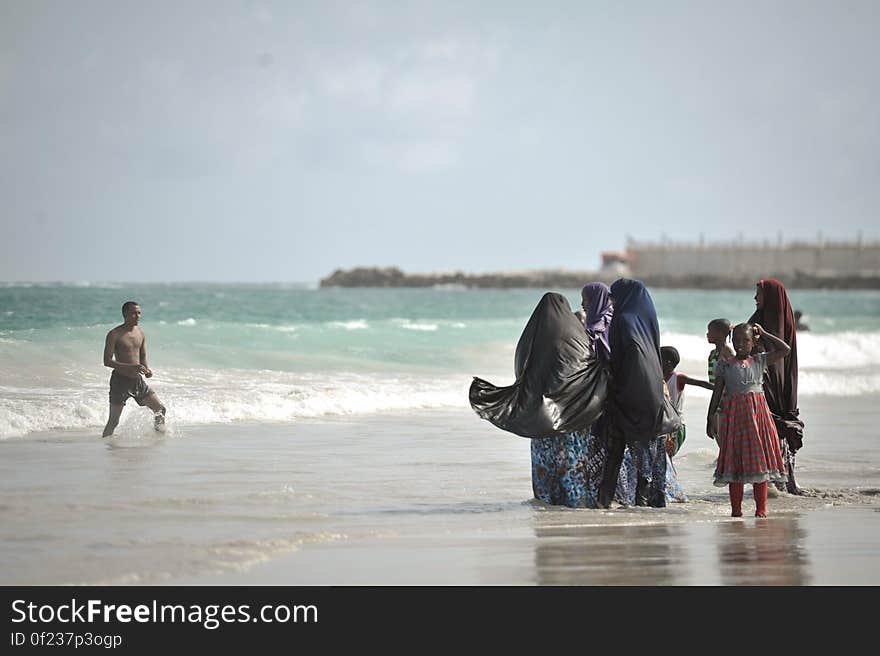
pixel 797 262
pixel 614 266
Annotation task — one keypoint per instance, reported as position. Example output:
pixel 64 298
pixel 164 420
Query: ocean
pixel 323 436
pixel 227 353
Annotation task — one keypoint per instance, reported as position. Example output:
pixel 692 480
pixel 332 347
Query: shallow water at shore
pixel 413 498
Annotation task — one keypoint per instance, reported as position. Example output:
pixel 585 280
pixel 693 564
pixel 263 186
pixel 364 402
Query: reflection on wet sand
pixel 769 552
pixel 583 548
pixel 567 554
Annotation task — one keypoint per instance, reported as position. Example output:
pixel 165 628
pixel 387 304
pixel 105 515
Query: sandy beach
pixel 430 497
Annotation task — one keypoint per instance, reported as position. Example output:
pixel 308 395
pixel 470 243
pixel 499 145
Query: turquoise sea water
pixel 302 419
pixel 285 352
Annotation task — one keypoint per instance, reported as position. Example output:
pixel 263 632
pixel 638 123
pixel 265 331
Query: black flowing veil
pixel 560 384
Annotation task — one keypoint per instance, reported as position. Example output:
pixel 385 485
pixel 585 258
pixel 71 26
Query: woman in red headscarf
pixel 775 315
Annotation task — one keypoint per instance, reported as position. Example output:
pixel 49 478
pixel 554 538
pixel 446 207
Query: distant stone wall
pixel 806 261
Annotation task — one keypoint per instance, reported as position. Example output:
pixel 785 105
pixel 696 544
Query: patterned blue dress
pixel 567 471
pixel 654 463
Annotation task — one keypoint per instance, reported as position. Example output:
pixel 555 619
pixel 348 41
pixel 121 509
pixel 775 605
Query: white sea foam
pixel 840 364
pixel 206 397
pixel 267 326
pixel 357 324
pixel 212 396
pixel 19 416
pixel 187 322
pixel 847 350
pixel 837 364
pixel 429 327
pixel 422 325
pixel 836 384
pixel 841 351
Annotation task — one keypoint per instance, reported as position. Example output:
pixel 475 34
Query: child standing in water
pixel 717 334
pixel 749 441
pixel 669 359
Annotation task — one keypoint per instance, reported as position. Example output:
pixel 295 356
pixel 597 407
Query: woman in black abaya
pixel 558 394
pixel 638 414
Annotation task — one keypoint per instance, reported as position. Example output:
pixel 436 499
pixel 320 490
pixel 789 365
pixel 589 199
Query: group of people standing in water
pixel 601 402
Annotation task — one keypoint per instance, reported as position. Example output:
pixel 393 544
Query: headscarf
pixel 636 398
pixel 781 377
pixel 560 386
pixel 599 315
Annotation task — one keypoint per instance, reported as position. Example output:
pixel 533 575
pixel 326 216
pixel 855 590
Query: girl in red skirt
pixel 749 442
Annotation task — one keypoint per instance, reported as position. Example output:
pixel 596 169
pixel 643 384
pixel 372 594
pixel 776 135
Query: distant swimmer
pixel 799 325
pixel 125 351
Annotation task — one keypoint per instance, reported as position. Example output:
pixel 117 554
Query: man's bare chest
pixel 128 342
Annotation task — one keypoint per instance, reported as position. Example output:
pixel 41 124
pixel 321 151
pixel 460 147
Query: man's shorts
pixel 123 387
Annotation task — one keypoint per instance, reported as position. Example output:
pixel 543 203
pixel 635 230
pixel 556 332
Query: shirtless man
pixel 125 351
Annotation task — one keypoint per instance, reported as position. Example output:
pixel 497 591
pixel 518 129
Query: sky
pixel 277 141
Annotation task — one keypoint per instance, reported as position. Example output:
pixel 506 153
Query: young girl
pixel 749 450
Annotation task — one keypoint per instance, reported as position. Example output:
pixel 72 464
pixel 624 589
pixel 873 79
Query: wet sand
pixel 829 537
pixel 833 546
pixel 431 497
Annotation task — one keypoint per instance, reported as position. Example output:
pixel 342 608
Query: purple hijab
pixel 599 316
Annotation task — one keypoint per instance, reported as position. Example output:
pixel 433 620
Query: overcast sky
pixel 262 141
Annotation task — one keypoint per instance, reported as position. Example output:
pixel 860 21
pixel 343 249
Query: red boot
pixel 760 492
pixel 736 499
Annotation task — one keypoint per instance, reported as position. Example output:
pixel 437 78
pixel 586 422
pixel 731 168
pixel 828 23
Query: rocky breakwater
pixel 394 277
